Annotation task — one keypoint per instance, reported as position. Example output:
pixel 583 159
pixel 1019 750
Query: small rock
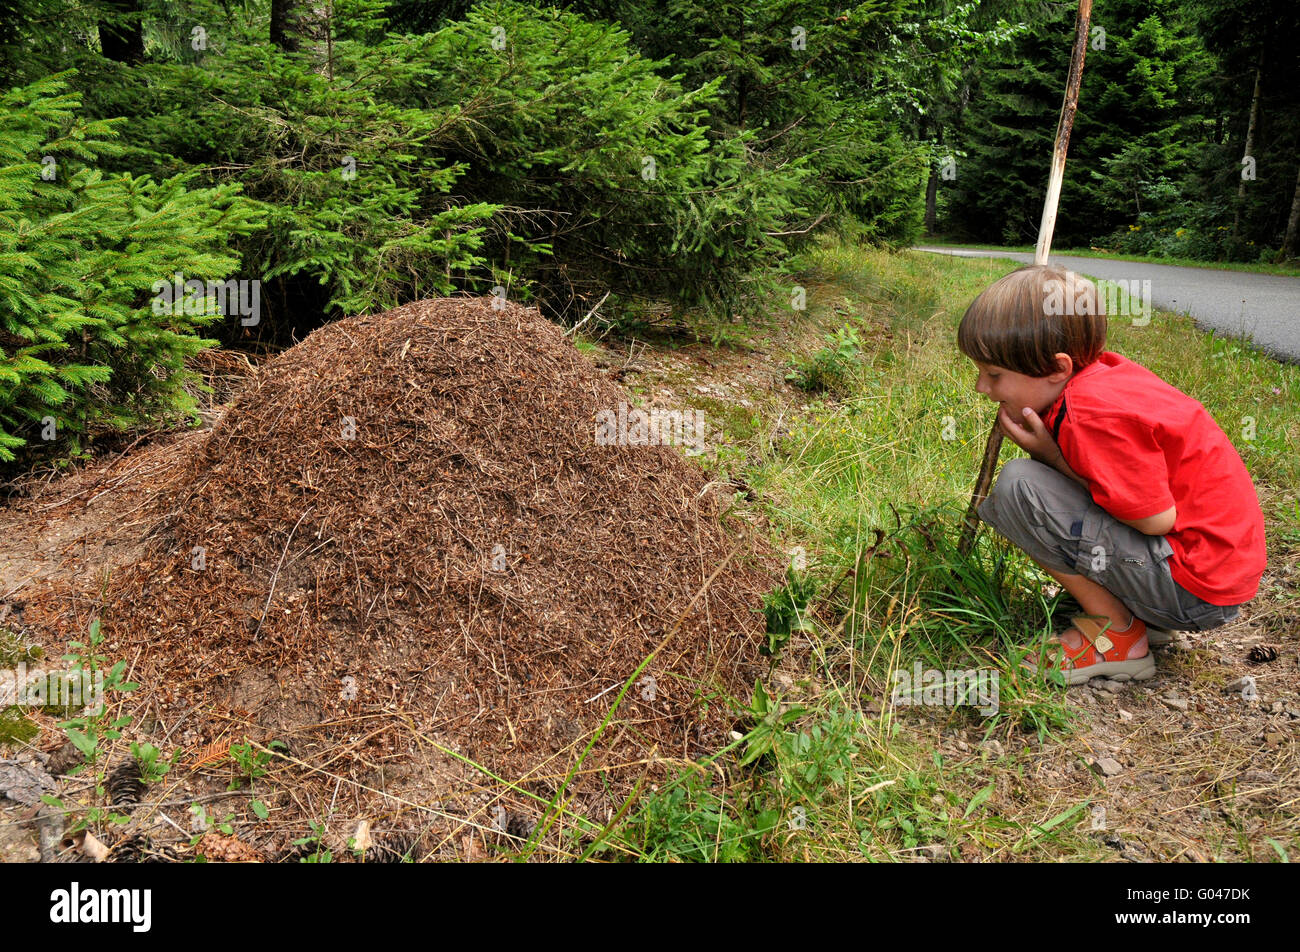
pixel 1150 778
pixel 994 747
pixel 1277 707
pixel 49 833
pixel 1236 685
pixel 1109 766
pixel 932 853
pixel 1176 703
pixel 1125 715
pixel 24 783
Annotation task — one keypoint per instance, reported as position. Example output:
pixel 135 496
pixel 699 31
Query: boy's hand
pixel 1031 435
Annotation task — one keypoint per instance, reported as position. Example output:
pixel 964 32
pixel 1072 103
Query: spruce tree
pixel 83 348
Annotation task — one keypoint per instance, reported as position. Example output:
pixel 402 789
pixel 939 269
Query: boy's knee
pixel 1011 490
pixel 1017 471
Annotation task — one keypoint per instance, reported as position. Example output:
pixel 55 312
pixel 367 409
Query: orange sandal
pixel 1104 653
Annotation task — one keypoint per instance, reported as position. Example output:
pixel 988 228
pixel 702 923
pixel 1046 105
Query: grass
pixel 1256 267
pixel 870 489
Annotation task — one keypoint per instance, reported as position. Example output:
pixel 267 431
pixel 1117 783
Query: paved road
pixel 1265 307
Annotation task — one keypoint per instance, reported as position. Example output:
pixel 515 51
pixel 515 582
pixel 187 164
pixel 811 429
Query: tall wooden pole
pixel 1068 107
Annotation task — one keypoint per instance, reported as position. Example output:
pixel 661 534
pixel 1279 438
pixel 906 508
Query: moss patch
pixel 14 649
pixel 15 726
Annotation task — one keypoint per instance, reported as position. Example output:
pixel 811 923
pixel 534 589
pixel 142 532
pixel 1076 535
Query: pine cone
pixel 1262 654
pixel 139 848
pixel 393 847
pixel 124 784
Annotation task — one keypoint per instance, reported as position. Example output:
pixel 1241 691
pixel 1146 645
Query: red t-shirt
pixel 1145 446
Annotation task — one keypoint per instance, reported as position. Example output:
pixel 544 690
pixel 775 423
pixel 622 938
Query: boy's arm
pixel 1034 439
pixel 1160 524
pixel 1060 465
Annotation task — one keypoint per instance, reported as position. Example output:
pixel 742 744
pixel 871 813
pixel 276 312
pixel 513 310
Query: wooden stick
pixel 1063 127
pixel 1048 224
pixel 991 451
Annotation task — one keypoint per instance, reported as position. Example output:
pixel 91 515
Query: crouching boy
pixel 1133 498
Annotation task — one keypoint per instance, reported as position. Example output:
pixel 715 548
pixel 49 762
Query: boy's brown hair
pixel 1022 319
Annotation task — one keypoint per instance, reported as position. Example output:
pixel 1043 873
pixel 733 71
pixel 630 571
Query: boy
pixel 1133 499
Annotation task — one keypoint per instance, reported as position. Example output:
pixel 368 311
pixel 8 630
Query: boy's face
pixel 1017 391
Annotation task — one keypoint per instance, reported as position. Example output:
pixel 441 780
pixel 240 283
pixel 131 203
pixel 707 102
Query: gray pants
pixel 1054 520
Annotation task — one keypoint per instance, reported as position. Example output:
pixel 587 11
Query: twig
pixel 602 693
pixel 276 575
pixel 574 328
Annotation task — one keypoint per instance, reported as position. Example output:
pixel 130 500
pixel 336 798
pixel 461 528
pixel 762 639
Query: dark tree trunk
pixel 123 42
pixel 931 195
pixel 931 189
pixel 1250 143
pixel 283 26
pixel 1292 224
